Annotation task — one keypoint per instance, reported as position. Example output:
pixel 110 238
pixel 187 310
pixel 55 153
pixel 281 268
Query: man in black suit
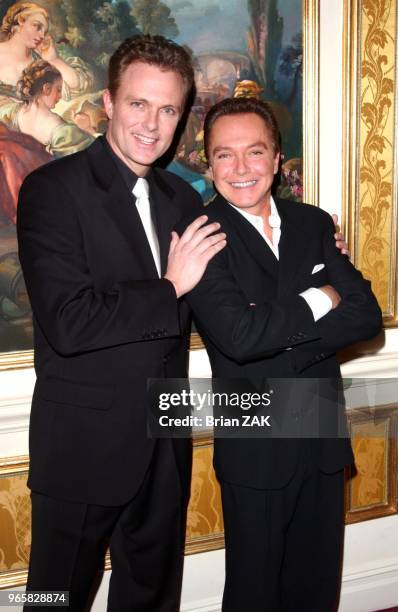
pixel 104 284
pixel 277 302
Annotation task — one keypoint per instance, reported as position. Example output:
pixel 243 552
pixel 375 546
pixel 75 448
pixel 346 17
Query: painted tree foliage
pixel 154 17
pixel 265 41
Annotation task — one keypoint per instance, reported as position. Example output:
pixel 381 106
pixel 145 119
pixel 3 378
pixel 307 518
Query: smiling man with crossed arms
pixel 277 302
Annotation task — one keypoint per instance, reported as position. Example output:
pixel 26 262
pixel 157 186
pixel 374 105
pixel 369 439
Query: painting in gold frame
pixel 289 49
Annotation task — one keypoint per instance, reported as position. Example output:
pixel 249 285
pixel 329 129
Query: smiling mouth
pixel 145 139
pixel 243 184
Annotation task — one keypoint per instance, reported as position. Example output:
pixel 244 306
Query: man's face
pixel 144 114
pixel 242 161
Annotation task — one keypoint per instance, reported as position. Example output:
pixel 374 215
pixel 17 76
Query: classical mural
pixel 53 59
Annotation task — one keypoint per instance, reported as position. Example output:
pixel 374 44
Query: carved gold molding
pixel 311 101
pixel 16 360
pixel 196 342
pixel 369 150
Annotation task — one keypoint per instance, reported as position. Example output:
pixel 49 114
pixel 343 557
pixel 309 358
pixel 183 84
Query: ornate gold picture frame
pixel 271 51
pixel 370 184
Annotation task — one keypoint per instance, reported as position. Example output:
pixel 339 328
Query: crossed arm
pixel 244 332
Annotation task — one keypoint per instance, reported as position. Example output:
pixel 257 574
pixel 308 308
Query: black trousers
pixel 146 539
pixel 284 546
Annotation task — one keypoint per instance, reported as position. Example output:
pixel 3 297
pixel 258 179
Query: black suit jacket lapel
pixel 166 214
pixel 292 251
pixel 118 203
pixel 250 237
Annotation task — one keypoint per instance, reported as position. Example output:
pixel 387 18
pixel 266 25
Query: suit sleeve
pixel 243 332
pixel 358 316
pixel 72 314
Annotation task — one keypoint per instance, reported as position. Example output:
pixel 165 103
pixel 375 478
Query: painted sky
pixel 207 25
pixel 289 10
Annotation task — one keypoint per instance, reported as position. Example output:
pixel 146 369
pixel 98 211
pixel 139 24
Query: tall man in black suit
pixel 277 302
pixel 104 284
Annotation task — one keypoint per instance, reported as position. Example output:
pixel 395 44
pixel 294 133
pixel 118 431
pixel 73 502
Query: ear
pixel 108 104
pixel 276 162
pixel 211 173
pixel 46 89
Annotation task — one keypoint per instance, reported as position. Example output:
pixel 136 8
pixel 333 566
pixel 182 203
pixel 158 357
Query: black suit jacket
pixel 103 323
pixel 247 341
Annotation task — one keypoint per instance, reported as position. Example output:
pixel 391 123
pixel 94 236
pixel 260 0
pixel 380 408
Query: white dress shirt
pixel 317 300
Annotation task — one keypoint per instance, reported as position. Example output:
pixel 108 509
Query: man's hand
pixel 332 294
pixel 190 254
pixel 339 237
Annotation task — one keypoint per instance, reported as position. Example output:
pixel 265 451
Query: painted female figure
pixel 24 38
pixel 39 90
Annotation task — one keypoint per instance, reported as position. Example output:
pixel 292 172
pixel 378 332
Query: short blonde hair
pixel 17 14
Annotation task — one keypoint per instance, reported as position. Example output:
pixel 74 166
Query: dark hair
pixel 241 106
pixel 34 77
pixel 155 50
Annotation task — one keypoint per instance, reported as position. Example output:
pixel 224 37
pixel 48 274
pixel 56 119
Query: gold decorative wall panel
pixel 14 521
pixel 370 145
pixel 205 528
pixel 372 487
pixel 371 493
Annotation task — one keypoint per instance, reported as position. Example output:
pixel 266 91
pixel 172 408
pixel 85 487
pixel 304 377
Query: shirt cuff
pixel 318 301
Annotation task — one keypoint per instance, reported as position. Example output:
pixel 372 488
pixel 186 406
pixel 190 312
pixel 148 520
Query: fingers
pixel 212 250
pixel 209 243
pixel 193 228
pixel 174 241
pixel 335 218
pixel 195 232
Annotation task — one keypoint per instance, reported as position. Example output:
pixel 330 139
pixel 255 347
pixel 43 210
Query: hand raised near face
pixel 47 49
pixel 190 253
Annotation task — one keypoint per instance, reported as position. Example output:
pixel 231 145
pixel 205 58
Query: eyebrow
pixel 259 143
